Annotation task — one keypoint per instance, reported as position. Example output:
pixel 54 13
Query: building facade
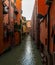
pixel 43 29
pixel 10 11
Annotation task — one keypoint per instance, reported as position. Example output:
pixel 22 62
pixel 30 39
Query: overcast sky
pixel 27 7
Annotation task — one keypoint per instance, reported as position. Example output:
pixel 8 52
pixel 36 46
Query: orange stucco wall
pixel 17 35
pixel 11 12
pixel 6 16
pixel 18 6
pixel 4 19
pixel 42 7
pixel 43 32
pixel 6 44
pixel 52 23
pixel 43 29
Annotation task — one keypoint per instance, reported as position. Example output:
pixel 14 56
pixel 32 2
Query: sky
pixel 27 7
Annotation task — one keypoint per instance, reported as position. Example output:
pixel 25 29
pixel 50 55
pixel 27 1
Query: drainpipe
pixel 48 2
pixel 49 28
pixel 38 33
pixel 9 14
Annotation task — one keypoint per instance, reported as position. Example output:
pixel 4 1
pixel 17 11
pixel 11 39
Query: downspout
pixel 48 28
pixel 9 13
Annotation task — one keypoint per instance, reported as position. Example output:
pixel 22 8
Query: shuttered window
pixel 48 2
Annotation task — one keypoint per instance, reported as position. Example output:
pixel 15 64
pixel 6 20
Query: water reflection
pixel 28 55
pixel 28 47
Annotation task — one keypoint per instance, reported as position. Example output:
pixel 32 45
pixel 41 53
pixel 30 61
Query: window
pixel 48 2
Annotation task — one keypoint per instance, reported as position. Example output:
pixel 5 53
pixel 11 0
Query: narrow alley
pixel 27 32
pixel 25 54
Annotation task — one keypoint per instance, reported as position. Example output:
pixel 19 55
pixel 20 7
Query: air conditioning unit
pixel 5 9
pixel 49 2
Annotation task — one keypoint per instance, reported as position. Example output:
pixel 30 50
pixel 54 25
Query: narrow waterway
pixel 24 54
